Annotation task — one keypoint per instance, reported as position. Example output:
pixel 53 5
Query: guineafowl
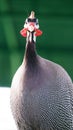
pixel 41 93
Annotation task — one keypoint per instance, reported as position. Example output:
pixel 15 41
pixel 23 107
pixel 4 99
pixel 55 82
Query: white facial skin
pixel 31 28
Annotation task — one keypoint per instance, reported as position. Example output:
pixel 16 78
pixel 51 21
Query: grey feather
pixel 42 96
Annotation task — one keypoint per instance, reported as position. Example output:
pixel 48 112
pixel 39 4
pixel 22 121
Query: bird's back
pixel 43 98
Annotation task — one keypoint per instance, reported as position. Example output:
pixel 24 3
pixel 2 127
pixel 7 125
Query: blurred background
pixel 56 43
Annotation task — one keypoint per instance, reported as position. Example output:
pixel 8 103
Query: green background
pixel 56 43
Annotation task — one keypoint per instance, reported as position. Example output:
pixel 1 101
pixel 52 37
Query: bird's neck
pixel 30 57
